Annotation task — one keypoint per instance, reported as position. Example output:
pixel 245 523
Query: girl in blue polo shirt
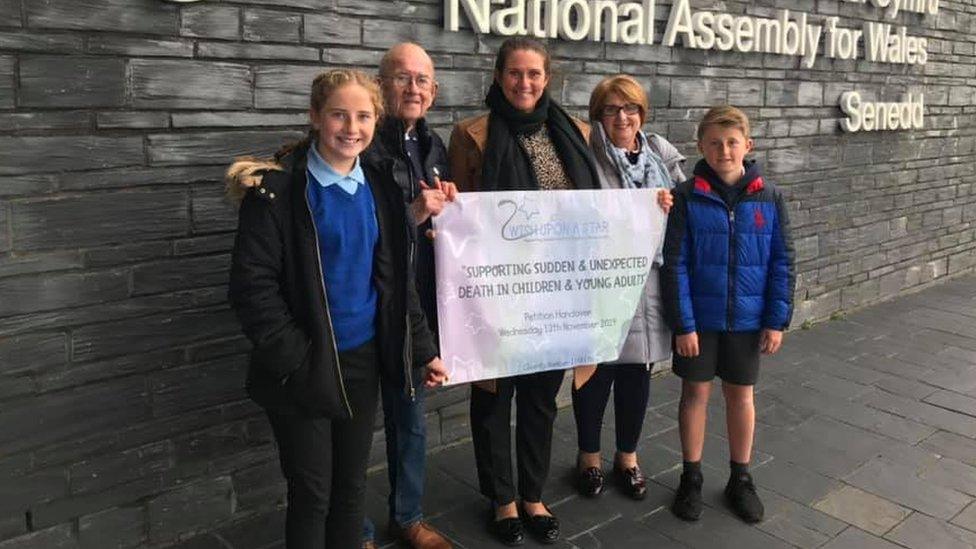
pixel 321 282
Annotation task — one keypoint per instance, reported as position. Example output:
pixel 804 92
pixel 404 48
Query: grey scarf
pixel 648 172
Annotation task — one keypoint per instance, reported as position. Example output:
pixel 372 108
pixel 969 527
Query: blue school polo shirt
pixel 345 220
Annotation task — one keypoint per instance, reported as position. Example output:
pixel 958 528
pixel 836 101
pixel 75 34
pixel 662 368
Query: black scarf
pixel 506 166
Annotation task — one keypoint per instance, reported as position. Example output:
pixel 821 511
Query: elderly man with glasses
pixel 420 169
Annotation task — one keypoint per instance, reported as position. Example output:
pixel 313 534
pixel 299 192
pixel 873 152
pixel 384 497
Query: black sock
pixel 738 469
pixel 692 467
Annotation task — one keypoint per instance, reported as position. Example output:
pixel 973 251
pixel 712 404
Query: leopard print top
pixel 548 167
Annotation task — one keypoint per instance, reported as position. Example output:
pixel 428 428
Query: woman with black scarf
pixel 525 142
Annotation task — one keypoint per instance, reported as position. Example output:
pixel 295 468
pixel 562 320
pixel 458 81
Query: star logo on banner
pixel 475 323
pixel 529 207
pixel 447 292
pixel 539 342
pixel 470 367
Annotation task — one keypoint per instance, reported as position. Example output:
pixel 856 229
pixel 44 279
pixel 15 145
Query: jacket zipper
pixel 408 386
pixel 407 339
pixel 732 268
pixel 328 315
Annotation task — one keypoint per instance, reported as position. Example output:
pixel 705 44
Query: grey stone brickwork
pixel 122 418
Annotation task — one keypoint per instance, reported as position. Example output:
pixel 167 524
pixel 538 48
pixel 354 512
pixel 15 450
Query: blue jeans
pixel 406 446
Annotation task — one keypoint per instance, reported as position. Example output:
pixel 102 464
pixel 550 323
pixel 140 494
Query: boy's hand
pixel 665 200
pixel 687 344
pixel 436 373
pixel 770 341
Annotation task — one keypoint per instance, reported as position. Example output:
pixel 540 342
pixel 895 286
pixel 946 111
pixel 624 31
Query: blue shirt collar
pixel 325 175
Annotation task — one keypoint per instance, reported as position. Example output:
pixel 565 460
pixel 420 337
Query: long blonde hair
pixel 323 86
pixel 248 171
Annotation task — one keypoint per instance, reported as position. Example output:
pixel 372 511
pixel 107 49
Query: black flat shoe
pixel 631 481
pixel 507 531
pixel 544 528
pixel 589 482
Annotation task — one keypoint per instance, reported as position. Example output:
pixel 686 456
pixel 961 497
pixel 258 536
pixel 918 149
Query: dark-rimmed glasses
pixel 610 111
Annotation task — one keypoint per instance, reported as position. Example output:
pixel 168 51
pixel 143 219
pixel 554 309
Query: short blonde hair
pixel 725 116
pixel 623 85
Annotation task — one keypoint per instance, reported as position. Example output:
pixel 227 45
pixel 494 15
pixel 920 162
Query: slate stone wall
pixel 122 419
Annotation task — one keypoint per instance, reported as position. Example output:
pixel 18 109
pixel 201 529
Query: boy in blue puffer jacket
pixel 727 285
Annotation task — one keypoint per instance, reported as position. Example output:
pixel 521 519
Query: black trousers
pixel 631 390
pixel 535 411
pixel 324 461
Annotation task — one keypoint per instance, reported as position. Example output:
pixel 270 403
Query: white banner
pixel 530 281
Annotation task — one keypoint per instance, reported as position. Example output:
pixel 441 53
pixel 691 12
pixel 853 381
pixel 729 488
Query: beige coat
pixel 466 152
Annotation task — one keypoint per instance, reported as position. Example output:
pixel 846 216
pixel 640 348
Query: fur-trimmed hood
pixel 244 173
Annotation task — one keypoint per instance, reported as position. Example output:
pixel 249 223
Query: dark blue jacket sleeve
pixel 781 280
pixel 675 282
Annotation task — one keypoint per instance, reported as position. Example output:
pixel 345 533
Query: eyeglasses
pixel 609 111
pixel 422 81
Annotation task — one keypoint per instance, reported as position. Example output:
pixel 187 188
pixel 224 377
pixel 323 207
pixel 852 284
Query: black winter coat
pixel 389 147
pixel 277 291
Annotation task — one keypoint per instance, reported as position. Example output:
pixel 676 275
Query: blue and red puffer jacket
pixel 728 267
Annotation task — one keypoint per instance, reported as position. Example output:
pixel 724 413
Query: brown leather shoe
pixel 420 535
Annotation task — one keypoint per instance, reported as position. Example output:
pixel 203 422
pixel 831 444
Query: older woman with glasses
pixel 627 159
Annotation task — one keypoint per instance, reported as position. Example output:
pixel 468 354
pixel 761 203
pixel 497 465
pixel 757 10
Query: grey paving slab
pixel 949 339
pixel 953 401
pixel 811 454
pixel 963 381
pixel 905 387
pixel 852 538
pixel 794 481
pixel 784 415
pixel 862 509
pixel 933 468
pixel 578 515
pixel 715 529
pixel 844 369
pixel 853 413
pixel 899 483
pixel 797 524
pixel 952 445
pixel 923 413
pixel 894 366
pixel 943 320
pixel 458 462
pixel 966 518
pixel 923 532
pixel 852 441
pixel 794 533
pixel 624 534
pixel 832 385
pixel 966 355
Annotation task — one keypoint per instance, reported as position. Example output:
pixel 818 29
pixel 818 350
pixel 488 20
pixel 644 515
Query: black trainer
pixel 740 494
pixel 688 499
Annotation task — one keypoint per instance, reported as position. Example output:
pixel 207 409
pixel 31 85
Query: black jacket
pixel 389 147
pixel 277 291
